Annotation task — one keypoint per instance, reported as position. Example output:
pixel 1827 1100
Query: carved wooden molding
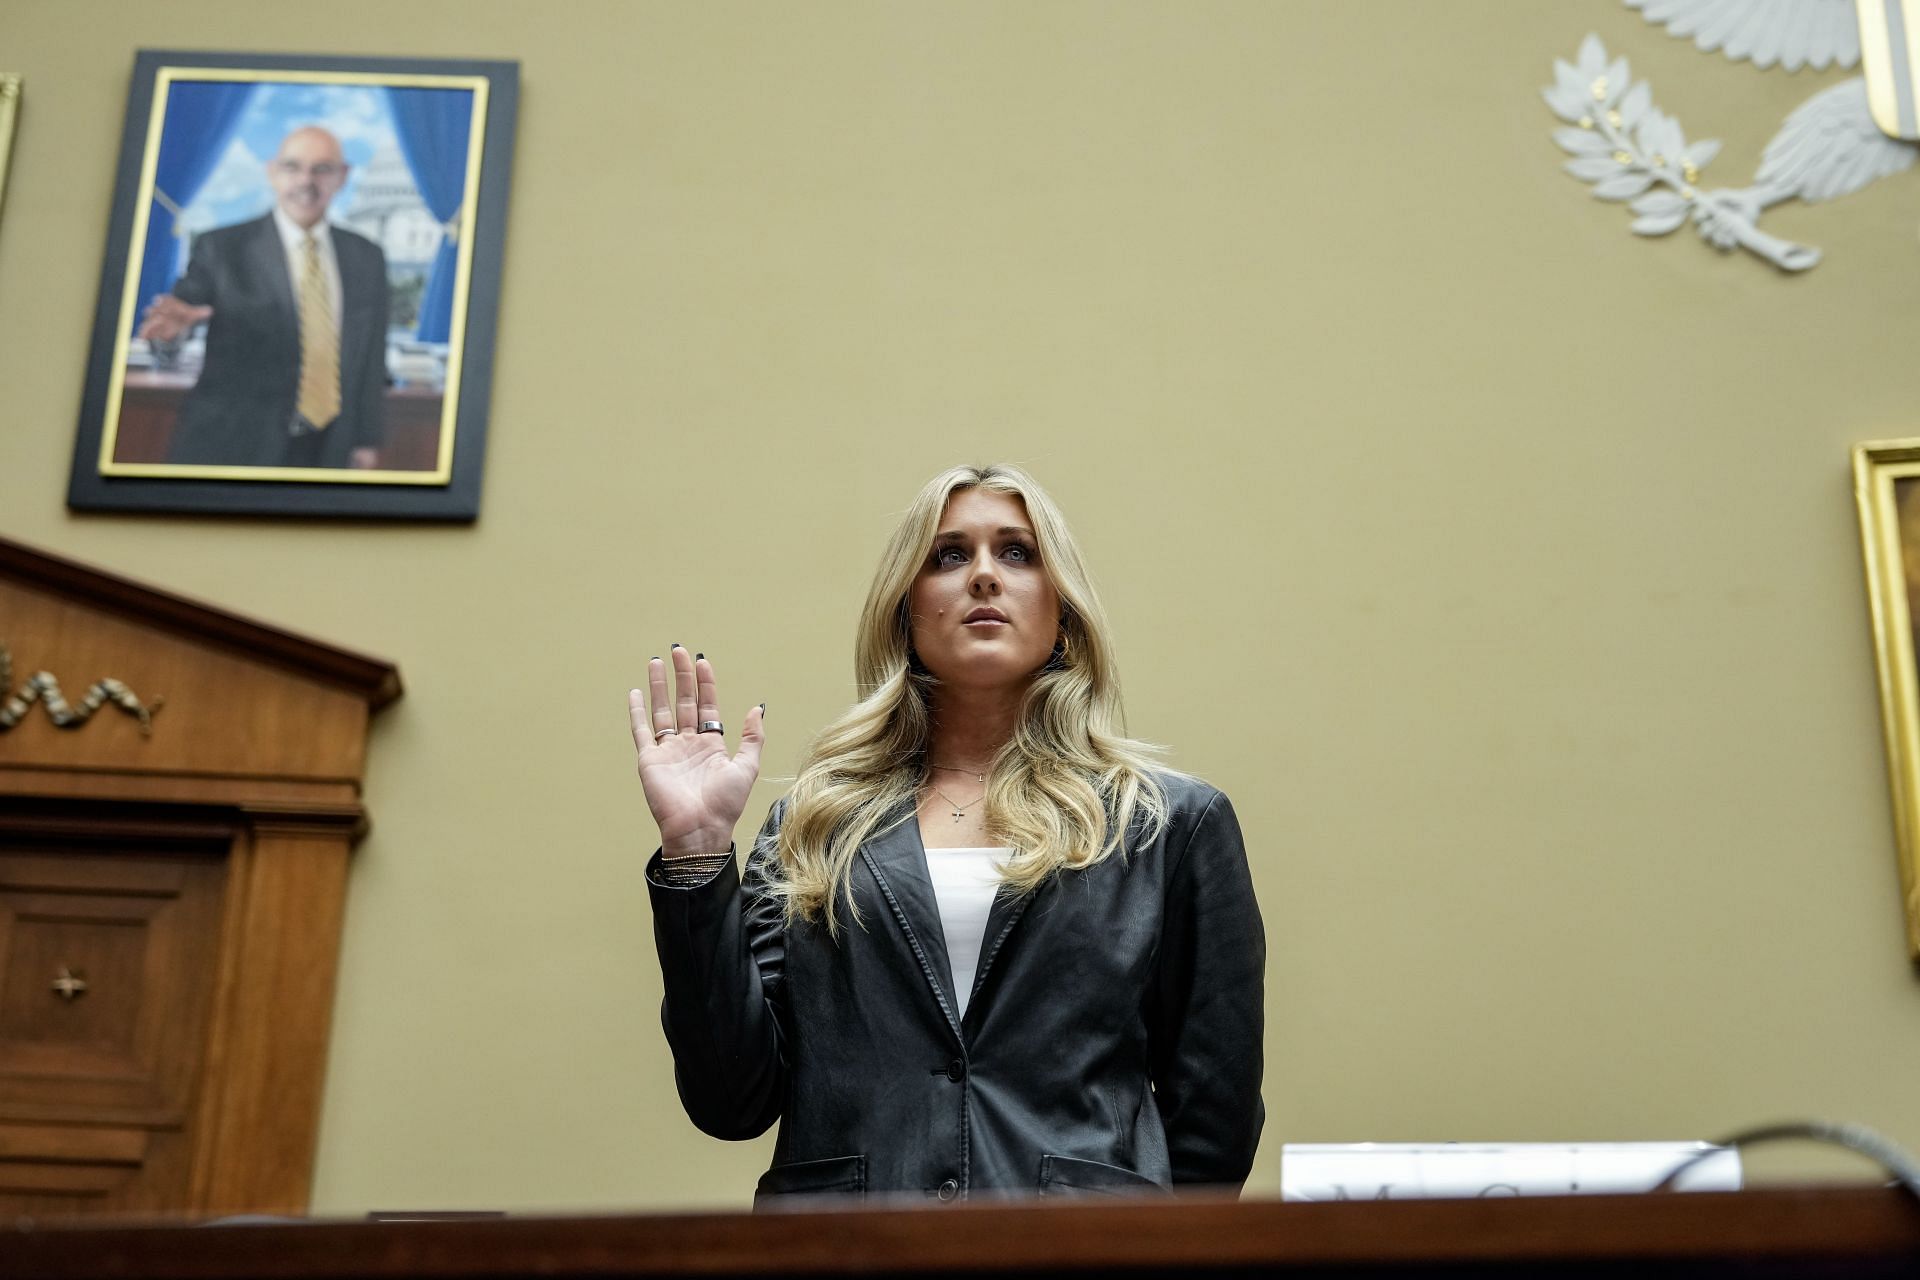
pixel 370 678
pixel 44 688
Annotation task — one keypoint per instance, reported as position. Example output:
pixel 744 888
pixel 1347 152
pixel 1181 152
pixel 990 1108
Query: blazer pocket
pixel 839 1176
pixel 1067 1176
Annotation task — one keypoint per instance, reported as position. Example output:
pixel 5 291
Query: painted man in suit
pixel 296 316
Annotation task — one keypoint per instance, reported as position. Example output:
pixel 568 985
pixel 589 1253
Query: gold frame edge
pixel 12 85
pixel 164 77
pixel 1877 465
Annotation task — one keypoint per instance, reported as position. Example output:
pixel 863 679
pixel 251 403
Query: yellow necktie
pixel 319 342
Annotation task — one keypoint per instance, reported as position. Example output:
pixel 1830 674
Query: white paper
pixel 1463 1170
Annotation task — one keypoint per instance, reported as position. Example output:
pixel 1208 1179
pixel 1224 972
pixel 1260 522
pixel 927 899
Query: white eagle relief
pixel 1829 147
pixel 1792 33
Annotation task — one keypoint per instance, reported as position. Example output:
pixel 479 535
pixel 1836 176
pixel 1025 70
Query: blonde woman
pixel 983 945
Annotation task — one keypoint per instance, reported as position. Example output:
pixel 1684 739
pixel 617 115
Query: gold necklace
pixel 958 811
pixel 947 768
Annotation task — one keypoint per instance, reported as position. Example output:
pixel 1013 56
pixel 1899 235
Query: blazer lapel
pixel 899 864
pixel 354 333
pixel 270 264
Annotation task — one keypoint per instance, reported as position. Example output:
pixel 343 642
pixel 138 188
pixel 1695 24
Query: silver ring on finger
pixel 663 733
pixel 712 726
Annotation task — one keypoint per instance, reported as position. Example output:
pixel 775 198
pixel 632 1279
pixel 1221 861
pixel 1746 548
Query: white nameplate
pixel 1462 1170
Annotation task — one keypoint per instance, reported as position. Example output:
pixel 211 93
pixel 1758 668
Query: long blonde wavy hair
pixel 1062 792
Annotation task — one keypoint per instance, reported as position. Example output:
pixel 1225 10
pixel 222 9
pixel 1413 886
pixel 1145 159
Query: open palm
pixel 696 791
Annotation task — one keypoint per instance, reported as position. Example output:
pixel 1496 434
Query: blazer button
pixel 956 1071
pixel 948 1189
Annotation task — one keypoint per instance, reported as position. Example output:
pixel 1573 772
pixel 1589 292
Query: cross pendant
pixel 959 814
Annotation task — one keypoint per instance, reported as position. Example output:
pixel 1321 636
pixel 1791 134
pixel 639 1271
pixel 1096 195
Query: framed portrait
pixel 300 288
pixel 1886 476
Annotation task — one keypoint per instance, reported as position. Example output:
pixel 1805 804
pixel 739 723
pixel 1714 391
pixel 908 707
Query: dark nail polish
pixel 763 710
pixel 654 658
pixel 675 645
pixel 698 656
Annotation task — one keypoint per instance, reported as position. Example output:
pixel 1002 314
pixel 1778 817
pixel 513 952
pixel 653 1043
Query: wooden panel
pixel 41 823
pixel 139 932
pixel 53 1168
pixel 170 905
pixel 54 870
pixel 97 949
pixel 223 714
pixel 278 965
pixel 63 1181
pixel 203 789
pixel 98 1089
pixel 72 1144
pixel 27 1186
pixel 67 1182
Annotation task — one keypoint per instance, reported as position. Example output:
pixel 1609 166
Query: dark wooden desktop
pixel 1764 1233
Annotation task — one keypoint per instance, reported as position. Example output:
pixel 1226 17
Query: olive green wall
pixel 1501 565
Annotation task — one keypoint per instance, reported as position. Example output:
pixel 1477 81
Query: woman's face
pixel 984 612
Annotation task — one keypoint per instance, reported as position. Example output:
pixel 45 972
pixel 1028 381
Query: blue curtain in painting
pixel 433 126
pixel 201 118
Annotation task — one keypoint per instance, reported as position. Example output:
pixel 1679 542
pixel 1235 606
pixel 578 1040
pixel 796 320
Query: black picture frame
pixel 428 460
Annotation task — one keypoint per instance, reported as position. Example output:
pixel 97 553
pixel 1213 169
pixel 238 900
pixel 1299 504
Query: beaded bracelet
pixel 691 872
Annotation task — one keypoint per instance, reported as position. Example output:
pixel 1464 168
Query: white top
pixel 293 239
pixel 964 882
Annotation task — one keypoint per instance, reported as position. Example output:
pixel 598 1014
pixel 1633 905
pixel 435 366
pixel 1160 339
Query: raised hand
pixel 168 319
pixel 696 790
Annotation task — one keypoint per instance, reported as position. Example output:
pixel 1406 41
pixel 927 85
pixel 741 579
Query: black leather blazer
pixel 1112 1040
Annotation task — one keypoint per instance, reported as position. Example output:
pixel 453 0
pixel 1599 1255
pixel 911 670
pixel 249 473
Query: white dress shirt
pixel 964 882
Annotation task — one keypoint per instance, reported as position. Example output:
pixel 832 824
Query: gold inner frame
pixel 10 89
pixel 1878 468
pixel 456 338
